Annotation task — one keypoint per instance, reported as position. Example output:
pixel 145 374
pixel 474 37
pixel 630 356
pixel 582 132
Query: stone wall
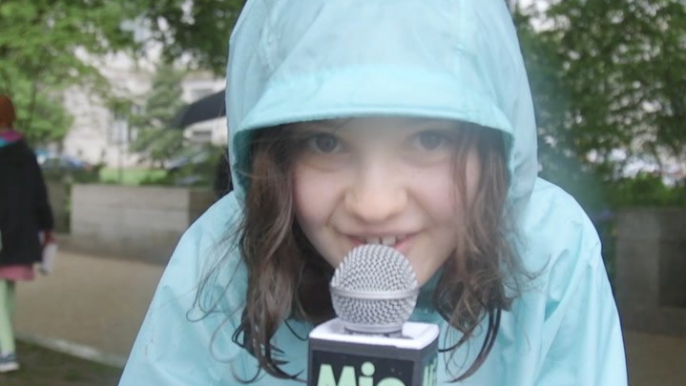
pixel 58 193
pixel 651 270
pixel 140 223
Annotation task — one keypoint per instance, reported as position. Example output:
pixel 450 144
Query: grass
pixel 130 177
pixel 43 367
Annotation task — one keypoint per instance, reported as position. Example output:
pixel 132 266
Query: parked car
pixel 53 161
pixel 195 167
pixel 197 157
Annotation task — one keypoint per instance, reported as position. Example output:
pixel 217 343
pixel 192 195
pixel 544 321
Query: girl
pixel 24 213
pixel 407 123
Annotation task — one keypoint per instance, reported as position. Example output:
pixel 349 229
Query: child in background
pixel 407 123
pixel 25 214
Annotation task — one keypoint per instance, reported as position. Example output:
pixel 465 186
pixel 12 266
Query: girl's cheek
pixel 314 190
pixel 436 188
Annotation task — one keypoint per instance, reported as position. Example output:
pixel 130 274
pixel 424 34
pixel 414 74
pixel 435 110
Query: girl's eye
pixel 324 143
pixel 431 140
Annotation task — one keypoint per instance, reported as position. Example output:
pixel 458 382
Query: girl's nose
pixel 376 194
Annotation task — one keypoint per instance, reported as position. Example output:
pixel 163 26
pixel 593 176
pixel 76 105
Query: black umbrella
pixel 204 109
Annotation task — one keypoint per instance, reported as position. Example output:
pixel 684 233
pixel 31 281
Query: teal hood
pixel 302 60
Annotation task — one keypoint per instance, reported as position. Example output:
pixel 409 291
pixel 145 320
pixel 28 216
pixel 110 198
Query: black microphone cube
pixel 338 358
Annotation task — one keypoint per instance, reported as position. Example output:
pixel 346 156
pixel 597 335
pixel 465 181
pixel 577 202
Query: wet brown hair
pixel 7 112
pixel 288 278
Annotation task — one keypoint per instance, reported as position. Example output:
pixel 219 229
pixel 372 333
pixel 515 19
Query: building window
pixel 119 133
pixel 201 135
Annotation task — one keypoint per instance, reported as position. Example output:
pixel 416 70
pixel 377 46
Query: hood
pixel 299 60
pixel 8 137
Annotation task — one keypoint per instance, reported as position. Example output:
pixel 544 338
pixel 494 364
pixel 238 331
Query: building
pixel 97 135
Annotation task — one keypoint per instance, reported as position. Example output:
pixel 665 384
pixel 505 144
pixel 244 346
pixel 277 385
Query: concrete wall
pixel 651 270
pixel 139 223
pixel 58 193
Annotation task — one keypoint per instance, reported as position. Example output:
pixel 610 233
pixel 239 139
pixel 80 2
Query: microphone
pixel 373 291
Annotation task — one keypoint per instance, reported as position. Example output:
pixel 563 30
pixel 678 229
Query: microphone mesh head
pixel 374 289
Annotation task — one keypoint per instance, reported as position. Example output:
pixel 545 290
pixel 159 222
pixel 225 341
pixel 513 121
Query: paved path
pixel 93 307
pixel 656 360
pixel 87 302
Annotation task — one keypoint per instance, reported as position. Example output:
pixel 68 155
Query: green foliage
pixel 607 75
pixel 156 139
pixel 158 144
pixel 646 190
pixel 620 67
pixel 201 173
pixel 202 32
pixel 69 176
pixel 164 99
pixel 47 46
pixel 42 38
pixel 42 46
pixel 131 177
pixel 40 116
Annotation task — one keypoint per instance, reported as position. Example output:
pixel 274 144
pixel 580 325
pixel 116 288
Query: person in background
pixel 222 184
pixel 25 215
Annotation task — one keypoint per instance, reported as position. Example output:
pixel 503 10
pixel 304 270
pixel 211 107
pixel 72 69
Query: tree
pixel 611 72
pixel 155 138
pixel 42 48
pixel 608 87
pixel 46 120
pixel 49 45
pixel 199 29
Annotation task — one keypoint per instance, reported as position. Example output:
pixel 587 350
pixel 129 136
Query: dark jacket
pixel 24 206
pixel 222 177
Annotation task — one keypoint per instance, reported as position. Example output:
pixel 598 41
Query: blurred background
pixel 122 101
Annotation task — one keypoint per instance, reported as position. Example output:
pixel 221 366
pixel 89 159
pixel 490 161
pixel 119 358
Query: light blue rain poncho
pixel 295 60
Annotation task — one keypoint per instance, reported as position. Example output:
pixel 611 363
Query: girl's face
pixel 382 180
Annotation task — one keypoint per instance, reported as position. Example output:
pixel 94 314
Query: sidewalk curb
pixel 74 349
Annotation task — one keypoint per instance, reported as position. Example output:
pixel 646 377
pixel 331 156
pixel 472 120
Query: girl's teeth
pixel 373 240
pixel 388 240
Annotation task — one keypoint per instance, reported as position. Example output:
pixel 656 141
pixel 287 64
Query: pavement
pixel 92 307
pixel 88 306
